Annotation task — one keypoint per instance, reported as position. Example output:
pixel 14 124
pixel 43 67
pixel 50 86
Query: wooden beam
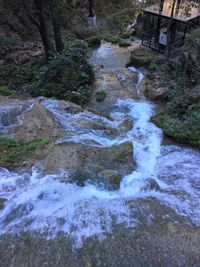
pixel 178 6
pixel 161 6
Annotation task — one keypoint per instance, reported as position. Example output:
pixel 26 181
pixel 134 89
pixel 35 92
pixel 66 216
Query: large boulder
pixel 102 165
pixel 36 123
pixel 152 90
pixel 141 57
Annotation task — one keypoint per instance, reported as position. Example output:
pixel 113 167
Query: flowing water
pixel 45 204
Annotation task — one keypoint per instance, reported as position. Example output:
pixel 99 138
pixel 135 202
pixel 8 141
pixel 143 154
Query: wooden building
pixel 166 24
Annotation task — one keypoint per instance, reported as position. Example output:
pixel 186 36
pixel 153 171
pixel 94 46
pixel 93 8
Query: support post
pixel 91 19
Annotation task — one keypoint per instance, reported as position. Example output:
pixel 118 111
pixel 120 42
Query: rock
pixel 75 96
pixel 124 43
pixel 126 125
pixel 117 84
pixel 141 57
pixel 37 122
pixel 99 164
pixel 151 185
pixel 2 202
pixel 111 179
pixel 156 93
pixel 152 90
pixel 73 109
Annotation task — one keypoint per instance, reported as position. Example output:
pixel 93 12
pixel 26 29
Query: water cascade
pixel 44 203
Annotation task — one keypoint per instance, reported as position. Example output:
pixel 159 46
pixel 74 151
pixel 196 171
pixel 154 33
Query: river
pixel 43 204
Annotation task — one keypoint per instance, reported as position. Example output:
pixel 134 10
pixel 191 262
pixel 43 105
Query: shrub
pixel 100 96
pixel 65 73
pixel 4 90
pixel 112 39
pixel 93 41
pixel 12 152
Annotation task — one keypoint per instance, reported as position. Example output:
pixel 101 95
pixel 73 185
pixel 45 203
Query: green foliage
pixel 182 115
pixel 183 127
pixel 63 75
pixel 100 96
pixel 93 41
pixel 113 39
pixel 4 90
pixel 125 35
pixel 12 151
pixel 123 43
pixel 124 156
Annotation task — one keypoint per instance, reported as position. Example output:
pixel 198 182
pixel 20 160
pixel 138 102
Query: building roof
pixel 185 13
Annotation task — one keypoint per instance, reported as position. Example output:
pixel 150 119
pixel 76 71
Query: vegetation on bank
pixel 5 91
pixel 13 152
pixel 66 76
pixel 181 119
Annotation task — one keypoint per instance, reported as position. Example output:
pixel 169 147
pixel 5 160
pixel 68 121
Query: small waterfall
pixel 37 202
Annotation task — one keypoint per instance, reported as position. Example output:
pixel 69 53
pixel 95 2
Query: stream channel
pixel 82 212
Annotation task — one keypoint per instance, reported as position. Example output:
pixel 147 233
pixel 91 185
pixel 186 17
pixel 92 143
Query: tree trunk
pixel 91 4
pixel 48 48
pixel 56 27
pixel 38 19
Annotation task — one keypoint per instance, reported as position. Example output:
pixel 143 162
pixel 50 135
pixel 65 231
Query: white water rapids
pixel 44 204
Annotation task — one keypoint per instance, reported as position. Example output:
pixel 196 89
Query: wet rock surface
pixel 117 84
pixel 2 202
pixel 100 165
pixel 163 242
pixel 36 123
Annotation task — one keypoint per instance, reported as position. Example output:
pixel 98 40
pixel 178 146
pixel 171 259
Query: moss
pixel 122 158
pixel 125 155
pixel 113 39
pixel 115 180
pixel 93 41
pixel 4 90
pixel 123 43
pixel 13 152
pixel 100 96
pixel 125 35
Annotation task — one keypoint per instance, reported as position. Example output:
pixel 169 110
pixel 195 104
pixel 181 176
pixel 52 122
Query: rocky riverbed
pixel 103 191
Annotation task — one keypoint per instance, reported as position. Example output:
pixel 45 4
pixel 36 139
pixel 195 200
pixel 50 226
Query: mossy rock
pixel 100 96
pixel 93 41
pixel 125 155
pixel 124 43
pixel 111 179
pixel 141 57
pixel 5 91
pixel 13 152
